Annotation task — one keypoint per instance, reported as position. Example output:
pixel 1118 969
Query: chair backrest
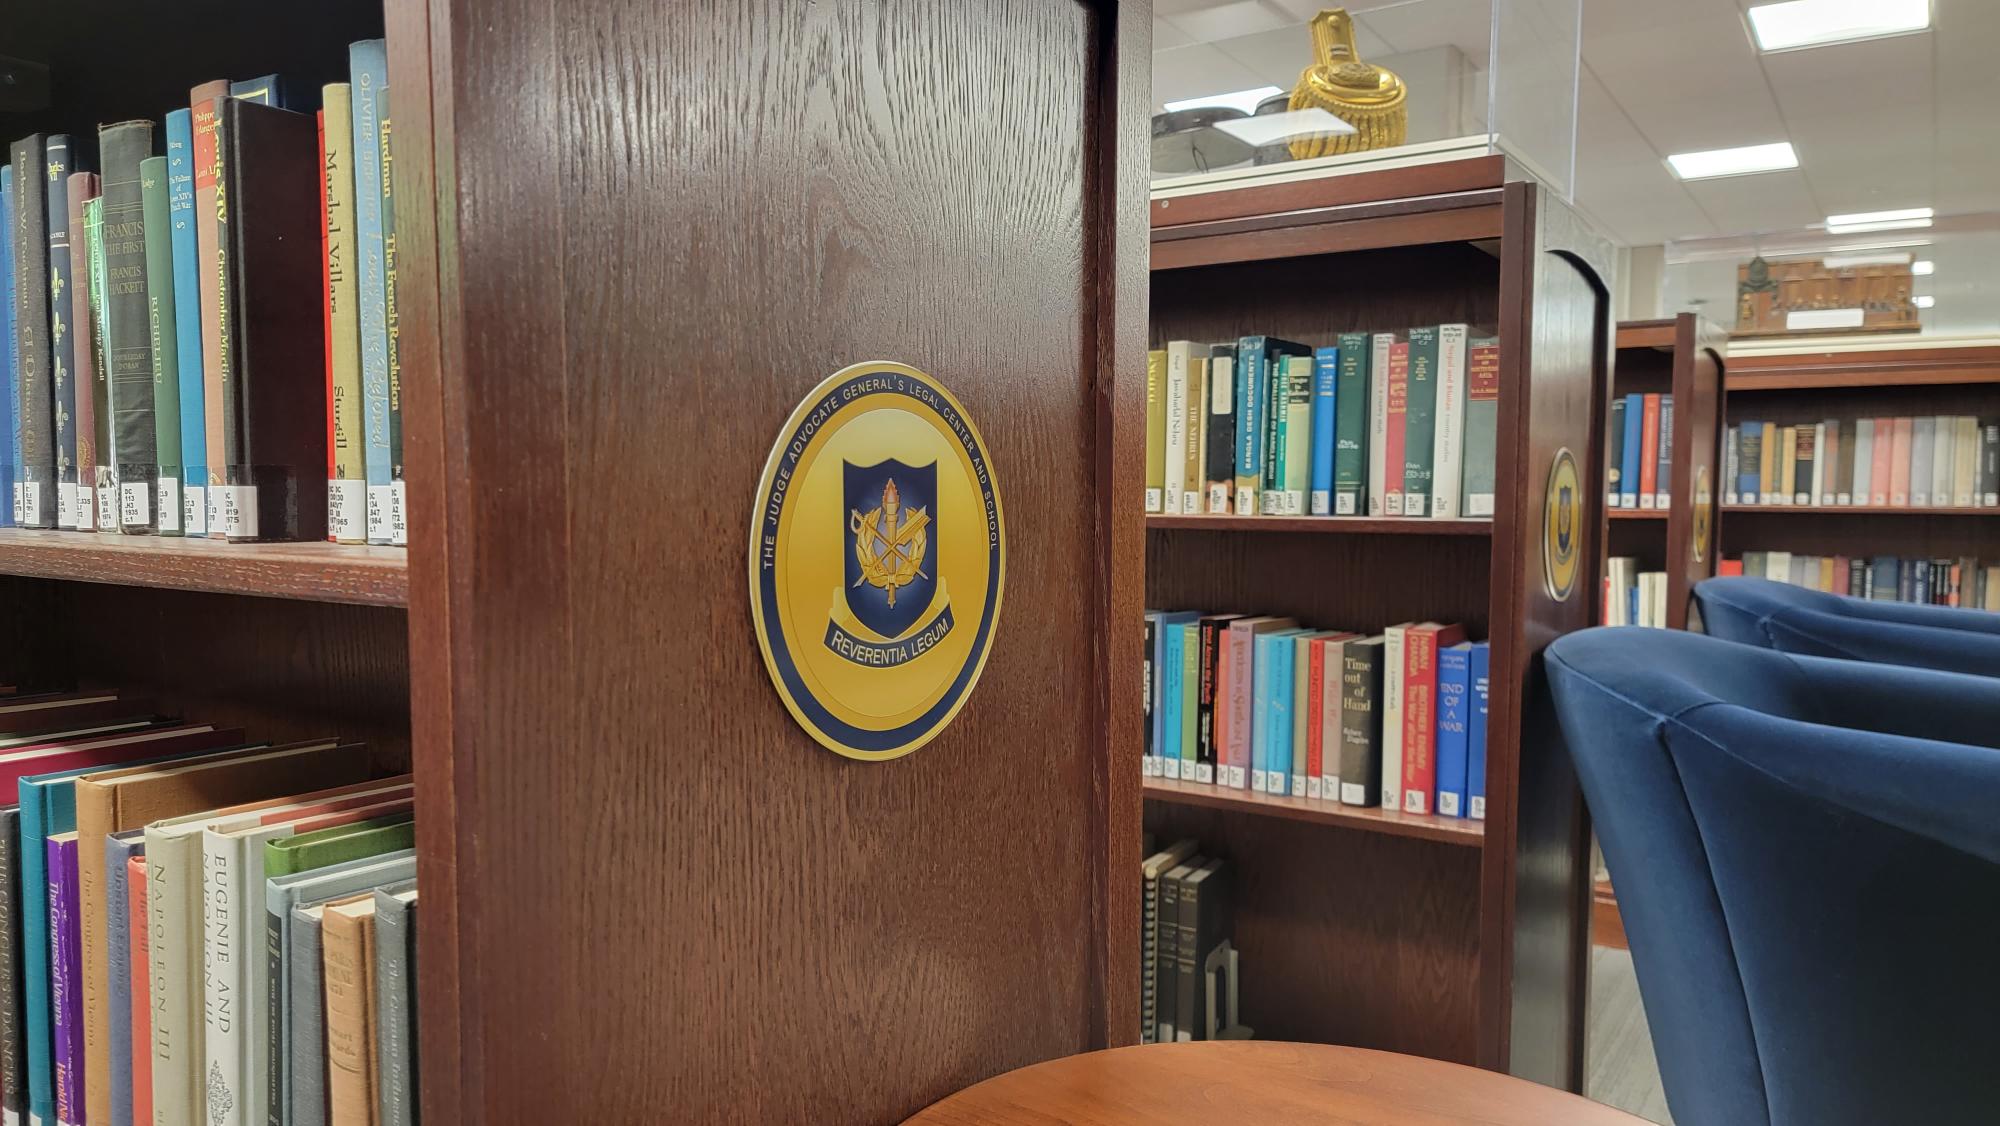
pixel 1807 858
pixel 1792 619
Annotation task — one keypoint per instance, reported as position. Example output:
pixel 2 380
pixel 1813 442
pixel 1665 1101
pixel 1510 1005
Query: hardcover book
pixel 1395 425
pixel 1175 482
pixel 1897 476
pixel 205 106
pixel 104 491
pixel 187 322
pixel 1194 462
pixel 1395 643
pixel 1448 445
pixel 1787 461
pixel 1614 435
pixel 1633 449
pixel 1379 347
pixel 1860 479
pixel 368 67
pixel 1768 460
pixel 162 324
pixel 1649 450
pixel 1420 420
pixel 62 306
pixel 1943 435
pixel 1271 732
pixel 84 368
pixel 35 415
pixel 1220 439
pixel 396 1001
pixel 1214 632
pixel 1454 697
pixel 13 1033
pixel 1475 733
pixel 1281 381
pixel 1663 469
pixel 1167 959
pixel 141 1087
pixel 1420 688
pixel 1923 437
pixel 349 939
pixel 1156 429
pixel 1164 681
pixel 1294 438
pixel 1154 929
pixel 65 970
pixel 1482 423
pixel 1351 415
pixel 10 392
pixel 1325 407
pixel 1360 723
pixel 394 498
pixel 1204 909
pixel 1188 689
pixel 120 852
pixel 1242 684
pixel 127 344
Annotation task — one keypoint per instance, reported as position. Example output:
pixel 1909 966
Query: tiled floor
pixel 1618 1060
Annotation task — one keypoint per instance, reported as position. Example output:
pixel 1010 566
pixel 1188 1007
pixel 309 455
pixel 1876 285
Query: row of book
pixel 1963 582
pixel 1633 597
pixel 1943 461
pixel 199 928
pixel 1641 440
pixel 1375 424
pixel 1396 720
pixel 204 343
pixel 1185 975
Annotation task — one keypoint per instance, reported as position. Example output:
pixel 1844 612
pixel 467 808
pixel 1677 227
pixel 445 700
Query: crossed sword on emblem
pixel 917 523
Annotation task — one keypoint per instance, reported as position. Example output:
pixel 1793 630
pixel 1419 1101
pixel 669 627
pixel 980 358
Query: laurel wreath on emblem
pixel 889 543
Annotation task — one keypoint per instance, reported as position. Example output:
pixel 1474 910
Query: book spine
pixel 1396 428
pixel 1277 392
pixel 1989 464
pixel 1941 441
pixel 1313 672
pixel 1649 450
pixel 103 392
pixel 1185 1026
pixel 1841 489
pixel 1263 672
pixel 1448 445
pixel 395 498
pixel 36 413
pixel 1378 422
pixel 1965 462
pixel 84 368
pixel 142 996
pixel 1750 454
pixel 1296 448
pixel 1325 406
pixel 1190 703
pixel 173 966
pixel 35 935
pixel 1166 960
pixel 1634 445
pixel 206 108
pixel 1475 734
pixel 1420 648
pixel 350 1071
pixel 1221 436
pixel 1156 429
pixel 1923 436
pixel 161 325
pixel 305 1016
pixel 1395 646
pixel 1663 475
pixel 1897 475
pixel 1175 467
pixel 128 345
pixel 1149 694
pixel 1351 413
pixel 395 938
pixel 225 904
pixel 1205 709
pixel 1813 476
pixel 10 394
pixel 1297 692
pixel 118 978
pixel 1360 727
pixel 1241 685
pixel 1731 464
pixel 13 1043
pixel 369 76
pixel 62 316
pixel 1482 425
pixel 1328 719
pixel 1420 421
pixel 1862 482
pixel 1193 490
pixel 187 322
pixel 1454 687
pixel 277 1085
pixel 1252 388
pixel 1614 434
pixel 1768 460
pixel 1168 706
pixel 65 980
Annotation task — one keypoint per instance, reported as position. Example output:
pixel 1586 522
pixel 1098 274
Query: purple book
pixel 66 977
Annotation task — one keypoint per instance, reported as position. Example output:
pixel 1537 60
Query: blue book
pixel 1270 715
pixel 1168 705
pixel 118 849
pixel 369 66
pixel 1163 621
pixel 1453 706
pixel 1475 735
pixel 1628 474
pixel 1326 380
pixel 1747 468
pixel 187 321
pixel 62 322
pixel 8 359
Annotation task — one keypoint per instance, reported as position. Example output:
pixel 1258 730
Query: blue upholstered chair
pixel 1775 615
pixel 1807 856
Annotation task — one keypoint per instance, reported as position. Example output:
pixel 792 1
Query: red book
pixel 1649 453
pixel 142 997
pixel 1899 463
pixel 1315 706
pixel 1729 567
pixel 1219 712
pixel 1399 409
pixel 1880 454
pixel 1420 678
pixel 1841 571
pixel 326 306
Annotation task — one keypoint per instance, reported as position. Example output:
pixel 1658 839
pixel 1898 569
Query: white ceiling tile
pixel 1771 201
pixel 1166 36
pixel 1197 72
pixel 1232 20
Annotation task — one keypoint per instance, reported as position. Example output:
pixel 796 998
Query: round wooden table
pixel 1261 1083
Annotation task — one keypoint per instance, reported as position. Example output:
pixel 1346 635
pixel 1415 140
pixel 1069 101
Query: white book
pixel 1965 466
pixel 1448 449
pixel 1922 437
pixel 173 964
pixel 1816 488
pixel 1222 401
pixel 1778 565
pixel 1175 482
pixel 1864 460
pixel 1378 422
pixel 1944 430
pixel 1392 715
pixel 1730 464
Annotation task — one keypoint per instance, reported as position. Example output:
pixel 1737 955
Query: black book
pixel 1204 914
pixel 1167 958
pixel 1146 692
pixel 33 353
pixel 62 323
pixel 1219 414
pixel 1989 465
pixel 1615 468
pixel 13 1002
pixel 1212 631
pixel 128 343
pixel 273 351
pixel 1361 722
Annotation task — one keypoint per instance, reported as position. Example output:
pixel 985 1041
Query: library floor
pixel 1618 1062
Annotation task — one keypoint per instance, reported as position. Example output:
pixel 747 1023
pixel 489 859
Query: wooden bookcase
pixel 1455 939
pixel 1680 356
pixel 624 255
pixel 1884 383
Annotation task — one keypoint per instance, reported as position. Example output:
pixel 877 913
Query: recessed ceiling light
pixel 1245 100
pixel 1844 261
pixel 1887 225
pixel 1816 23
pixel 1879 216
pixel 1923 267
pixel 1925 301
pixel 1733 162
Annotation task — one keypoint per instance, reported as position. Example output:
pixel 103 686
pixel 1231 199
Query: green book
pixel 337 845
pixel 1420 423
pixel 100 377
pixel 164 343
pixel 1350 419
pixel 1274 402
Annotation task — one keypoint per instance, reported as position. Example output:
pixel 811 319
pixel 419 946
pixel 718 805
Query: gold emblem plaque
pixel 1561 532
pixel 1704 514
pixel 878 555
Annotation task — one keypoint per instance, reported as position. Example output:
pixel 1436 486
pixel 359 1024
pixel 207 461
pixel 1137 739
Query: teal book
pixel 1420 421
pixel 1350 413
pixel 163 328
pixel 368 64
pixel 1325 405
pixel 187 321
pixel 1271 723
pixel 1168 704
pixel 302 853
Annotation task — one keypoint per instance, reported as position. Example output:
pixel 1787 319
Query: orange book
pixel 1899 464
pixel 1878 463
pixel 1649 455
pixel 1729 567
pixel 1420 678
pixel 348 953
pixel 142 996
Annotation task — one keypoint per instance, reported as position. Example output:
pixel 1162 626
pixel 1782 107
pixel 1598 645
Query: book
pixel 35 414
pixel 1325 405
pixel 162 344
pixel 141 1089
pixel 1156 427
pixel 127 343
pixel 1923 439
pixel 1649 450
pixel 120 850
pixel 1845 434
pixel 10 379
pixel 1964 461
pixel 1663 469
pixel 103 410
pixel 1731 464
pixel 1293 459
pixel 1165 632
pixel 1787 462
pixel 65 972
pixel 187 322
pixel 1420 680
pixel 1750 462
pixel 85 370
pixel 1942 437
pixel 1634 450
pixel 1220 438
pixel 1277 375
pixel 1360 724
pixel 1892 465
pixel 1204 911
pixel 1193 487
pixel 1419 420
pixel 1395 642
pixel 205 108
pixel 308 850
pixel 368 67
pixel 1167 957
pixel 1307 706
pixel 1153 928
pixel 1241 682
pixel 273 399
pixel 13 1033
pixel 1395 425
pixel 1454 696
pixel 1614 436
pixel 1861 482
pixel 396 1001
pixel 1174 484
pixel 1989 464
pixel 1448 444
pixel 1147 675
pixel 1214 633
pixel 395 497
pixel 1475 734
pixel 349 938
pixel 1379 347
pixel 1189 692
pixel 62 315
pixel 1351 417
pixel 1271 731
pixel 1329 655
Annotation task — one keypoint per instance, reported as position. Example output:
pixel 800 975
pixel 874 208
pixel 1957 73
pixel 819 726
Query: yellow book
pixel 347 483
pixel 1767 464
pixel 1197 436
pixel 1788 464
pixel 1156 428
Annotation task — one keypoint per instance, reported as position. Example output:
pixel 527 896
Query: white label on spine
pixel 347 510
pixel 1152 500
pixel 1259 781
pixel 1479 504
pixel 66 504
pixel 237 507
pixel 1298 785
pixel 194 509
pixel 1236 777
pixel 1312 786
pixel 86 507
pixel 170 504
pixel 1354 793
pixel 399 515
pixel 1204 772
pixel 17 502
pixel 1218 500
pixel 135 503
pixel 378 513
pixel 1343 504
pixel 1479 809
pixel 107 508
pixel 1173 766
pixel 1190 503
pixel 1329 787
pixel 1447 803
pixel 31 503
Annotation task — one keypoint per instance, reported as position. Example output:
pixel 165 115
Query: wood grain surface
pixel 670 900
pixel 1366 818
pixel 1699 367
pixel 1270 1084
pixel 1887 367
pixel 316 572
pixel 1322 525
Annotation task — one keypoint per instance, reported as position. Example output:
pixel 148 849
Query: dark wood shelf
pixel 1333 525
pixel 1371 819
pixel 1904 367
pixel 309 572
pixel 1636 513
pixel 1861 510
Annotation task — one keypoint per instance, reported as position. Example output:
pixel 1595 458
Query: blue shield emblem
pixel 890 522
pixel 1565 521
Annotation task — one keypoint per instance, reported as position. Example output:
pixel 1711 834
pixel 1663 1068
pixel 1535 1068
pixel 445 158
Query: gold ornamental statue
pixel 1364 95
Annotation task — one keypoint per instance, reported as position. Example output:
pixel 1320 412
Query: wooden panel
pixel 1908 533
pixel 1348 937
pixel 320 572
pixel 1463 224
pixel 1555 283
pixel 1366 818
pixel 1306 195
pixel 1789 407
pixel 1698 430
pixel 760 922
pixel 1321 525
pixel 1883 368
